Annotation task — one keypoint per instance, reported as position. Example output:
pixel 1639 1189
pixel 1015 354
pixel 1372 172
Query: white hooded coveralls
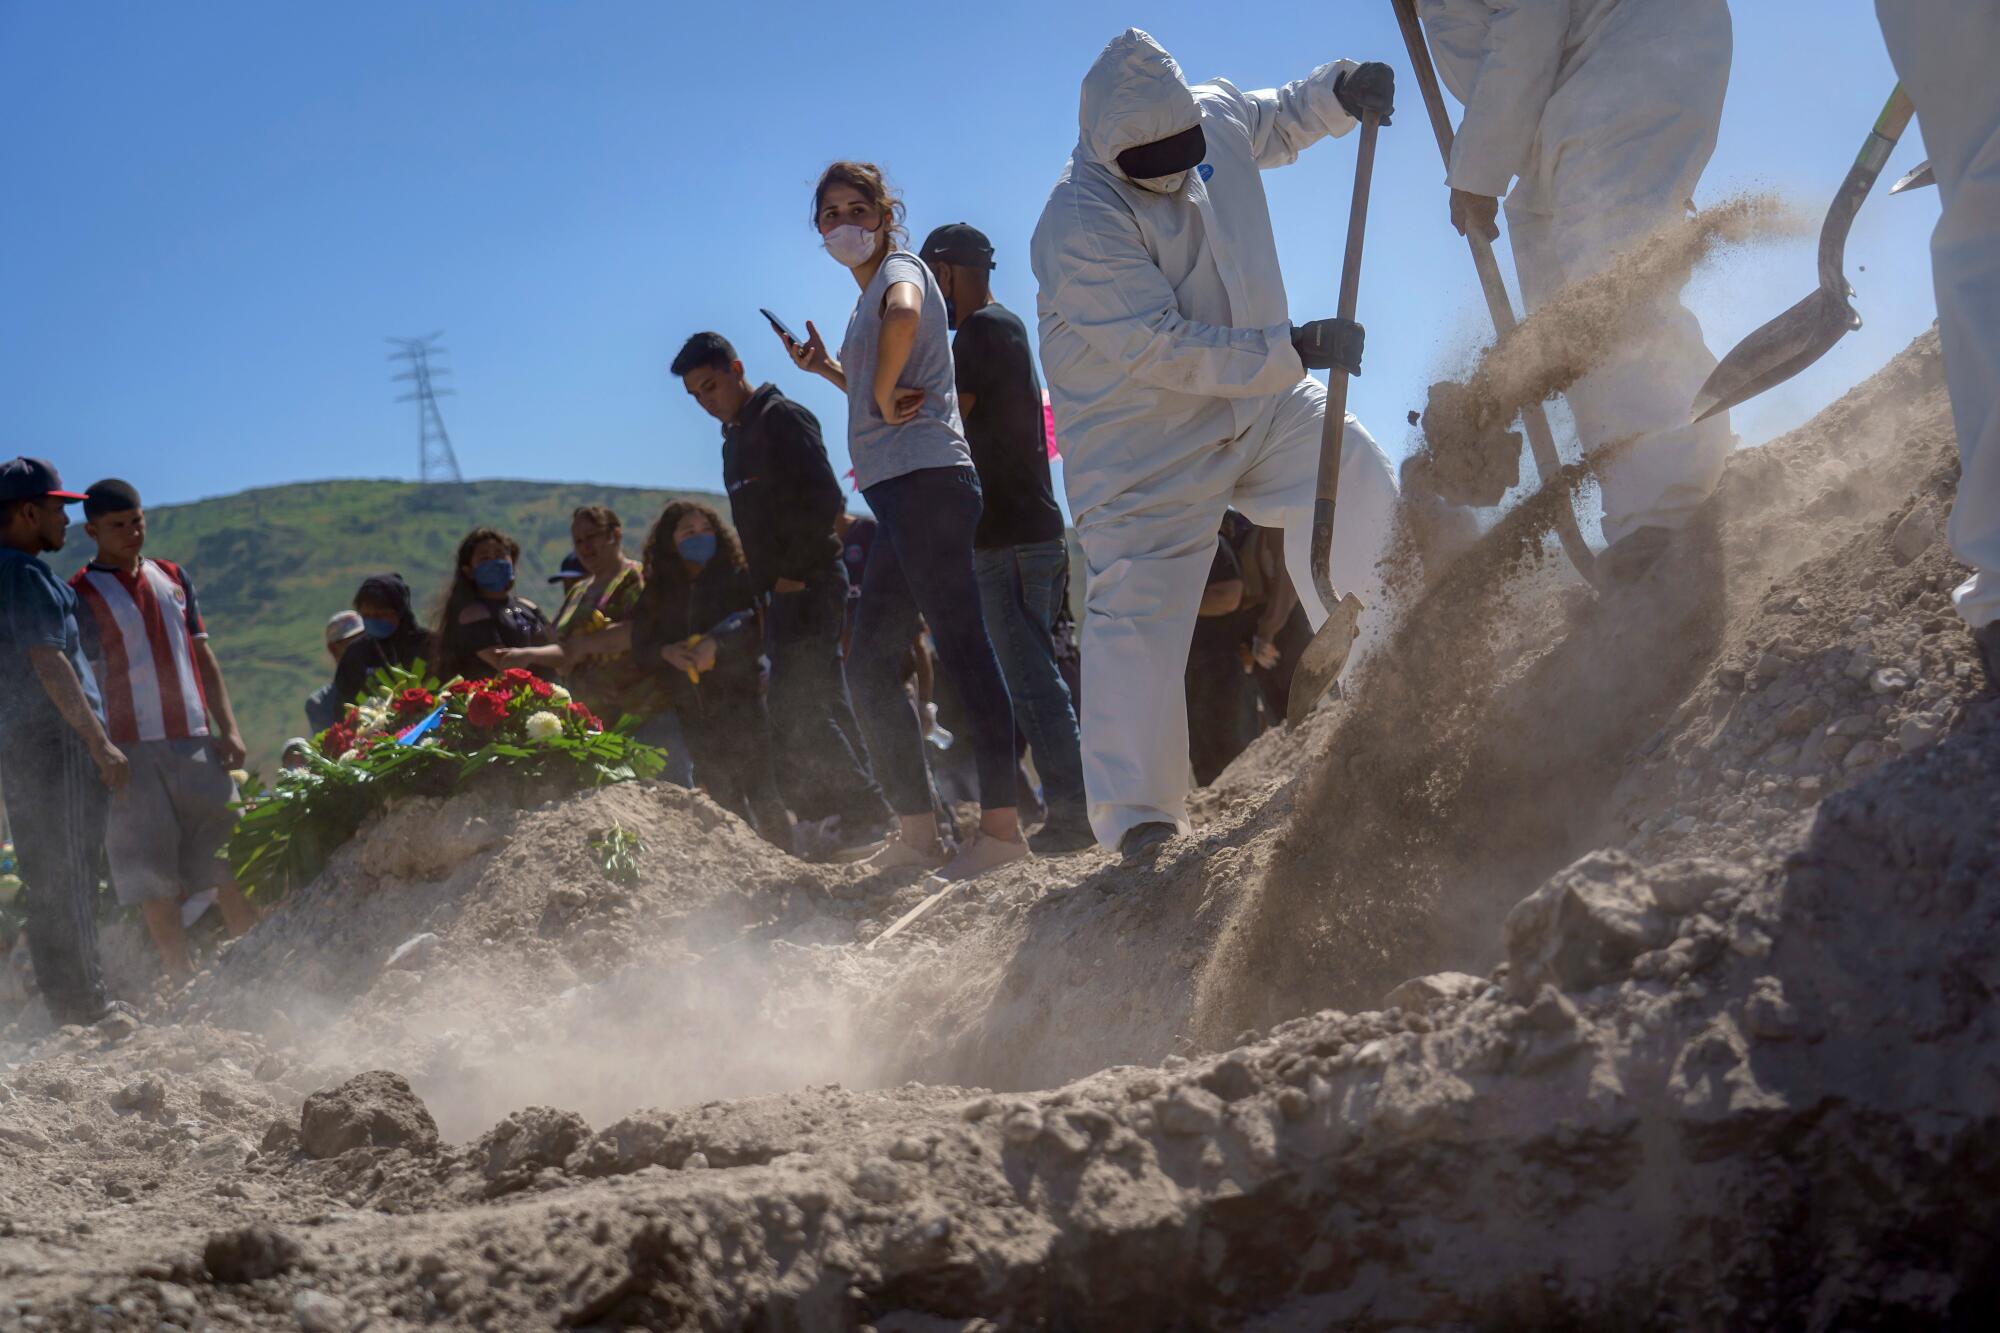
pixel 1606 112
pixel 1166 342
pixel 1945 53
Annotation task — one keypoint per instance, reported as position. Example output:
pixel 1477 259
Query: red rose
pixel 487 709
pixel 339 739
pixel 517 675
pixel 414 702
pixel 541 688
pixel 462 687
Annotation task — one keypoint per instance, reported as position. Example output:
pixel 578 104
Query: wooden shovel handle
pixel 1541 440
pixel 1333 427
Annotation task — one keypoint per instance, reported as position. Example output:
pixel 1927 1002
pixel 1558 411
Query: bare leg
pixel 920 830
pixel 1003 823
pixel 237 913
pixel 163 923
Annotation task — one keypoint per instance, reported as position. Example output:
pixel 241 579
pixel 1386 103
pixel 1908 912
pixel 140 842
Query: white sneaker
pixel 982 854
pixel 896 854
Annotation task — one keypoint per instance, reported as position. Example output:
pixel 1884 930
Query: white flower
pixel 350 756
pixel 559 694
pixel 239 777
pixel 544 726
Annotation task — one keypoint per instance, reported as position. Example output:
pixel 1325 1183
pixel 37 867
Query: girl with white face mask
pixel 914 467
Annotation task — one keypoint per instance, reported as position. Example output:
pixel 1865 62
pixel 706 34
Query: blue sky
pixel 217 211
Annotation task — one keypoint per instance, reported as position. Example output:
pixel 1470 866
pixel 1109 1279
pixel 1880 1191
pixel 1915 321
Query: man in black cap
pixel 56 762
pixel 1019 553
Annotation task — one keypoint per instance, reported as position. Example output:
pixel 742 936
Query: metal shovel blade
pixel 1802 335
pixel 1917 179
pixel 1321 662
pixel 1777 351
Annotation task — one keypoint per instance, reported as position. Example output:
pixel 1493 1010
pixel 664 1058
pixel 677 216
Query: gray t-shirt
pixel 936 436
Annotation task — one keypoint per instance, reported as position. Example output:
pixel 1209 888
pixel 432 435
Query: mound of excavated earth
pixel 1688 1023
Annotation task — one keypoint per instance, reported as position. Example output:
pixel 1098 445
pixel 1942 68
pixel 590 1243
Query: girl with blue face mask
pixel 482 615
pixel 391 636
pixel 696 625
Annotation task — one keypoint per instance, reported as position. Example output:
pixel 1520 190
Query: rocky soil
pixel 1688 1023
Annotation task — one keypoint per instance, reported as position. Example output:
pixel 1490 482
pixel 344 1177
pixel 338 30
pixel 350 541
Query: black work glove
pixel 1328 344
pixel 1367 87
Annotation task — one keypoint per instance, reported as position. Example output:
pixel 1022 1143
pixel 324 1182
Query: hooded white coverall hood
pixel 1605 111
pixel 1944 52
pixel 1166 342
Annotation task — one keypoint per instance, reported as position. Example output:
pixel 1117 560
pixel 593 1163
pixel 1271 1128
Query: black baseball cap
pixel 572 570
pixel 958 243
pixel 110 496
pixel 31 479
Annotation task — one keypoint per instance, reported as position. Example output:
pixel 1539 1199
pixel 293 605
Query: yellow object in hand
pixel 694 673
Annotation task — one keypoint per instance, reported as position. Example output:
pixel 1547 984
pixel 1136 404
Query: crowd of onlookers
pixel 900 662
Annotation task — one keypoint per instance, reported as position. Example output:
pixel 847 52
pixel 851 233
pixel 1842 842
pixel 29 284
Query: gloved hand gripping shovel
pixel 1320 663
pixel 1802 335
pixel 1541 441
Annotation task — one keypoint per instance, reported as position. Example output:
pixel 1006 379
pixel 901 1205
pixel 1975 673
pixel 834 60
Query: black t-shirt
pixel 996 362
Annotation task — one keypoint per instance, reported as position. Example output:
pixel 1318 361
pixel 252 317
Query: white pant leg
pixel 1944 52
pixel 1645 386
pixel 1146 557
pixel 1276 491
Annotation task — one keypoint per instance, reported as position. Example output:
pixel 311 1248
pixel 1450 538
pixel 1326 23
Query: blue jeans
pixel 921 566
pixel 664 730
pixel 1020 588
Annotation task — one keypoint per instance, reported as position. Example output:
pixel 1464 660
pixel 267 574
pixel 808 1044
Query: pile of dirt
pixel 1508 725
pixel 1718 1048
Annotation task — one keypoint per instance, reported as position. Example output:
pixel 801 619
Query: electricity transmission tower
pixel 435 459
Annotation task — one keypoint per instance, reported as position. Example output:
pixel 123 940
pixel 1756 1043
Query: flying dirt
pixel 1469 454
pixel 1568 972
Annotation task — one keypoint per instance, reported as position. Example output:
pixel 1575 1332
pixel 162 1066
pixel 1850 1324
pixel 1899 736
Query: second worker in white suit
pixel 1179 386
pixel 1595 118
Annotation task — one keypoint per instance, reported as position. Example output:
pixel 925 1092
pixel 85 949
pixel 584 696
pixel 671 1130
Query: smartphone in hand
pixel 779 325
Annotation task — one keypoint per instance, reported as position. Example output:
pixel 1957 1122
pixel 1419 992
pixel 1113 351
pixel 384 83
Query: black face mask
pixel 1164 157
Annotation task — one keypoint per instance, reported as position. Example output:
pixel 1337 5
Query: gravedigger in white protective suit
pixel 1600 115
pixel 1179 386
pixel 1945 53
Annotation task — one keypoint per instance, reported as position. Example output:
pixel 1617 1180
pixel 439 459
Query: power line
pixel 435 459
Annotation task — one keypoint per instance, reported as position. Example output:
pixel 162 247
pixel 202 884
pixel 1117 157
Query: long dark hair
pixel 867 180
pixel 462 592
pixel 665 571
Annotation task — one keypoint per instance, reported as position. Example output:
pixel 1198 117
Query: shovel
pixel 1541 441
pixel 1320 663
pixel 1802 335
pixel 1918 177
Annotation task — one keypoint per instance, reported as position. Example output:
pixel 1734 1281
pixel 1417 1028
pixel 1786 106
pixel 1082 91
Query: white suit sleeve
pixel 1283 122
pixel 1097 273
pixel 1517 72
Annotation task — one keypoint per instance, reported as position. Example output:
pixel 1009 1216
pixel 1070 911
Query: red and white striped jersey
pixel 140 636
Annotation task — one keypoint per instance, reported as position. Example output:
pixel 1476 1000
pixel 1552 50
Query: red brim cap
pixel 71 496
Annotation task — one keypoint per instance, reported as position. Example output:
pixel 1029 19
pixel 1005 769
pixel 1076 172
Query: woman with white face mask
pixel 914 467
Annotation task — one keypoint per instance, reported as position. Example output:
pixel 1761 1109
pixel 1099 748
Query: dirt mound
pixel 1505 728
pixel 1717 1049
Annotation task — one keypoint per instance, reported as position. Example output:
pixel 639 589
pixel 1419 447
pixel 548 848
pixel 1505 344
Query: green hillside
pixel 271 565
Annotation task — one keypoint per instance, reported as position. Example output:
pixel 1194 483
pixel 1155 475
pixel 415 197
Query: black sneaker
pixel 1987 639
pixel 1142 841
pixel 1061 837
